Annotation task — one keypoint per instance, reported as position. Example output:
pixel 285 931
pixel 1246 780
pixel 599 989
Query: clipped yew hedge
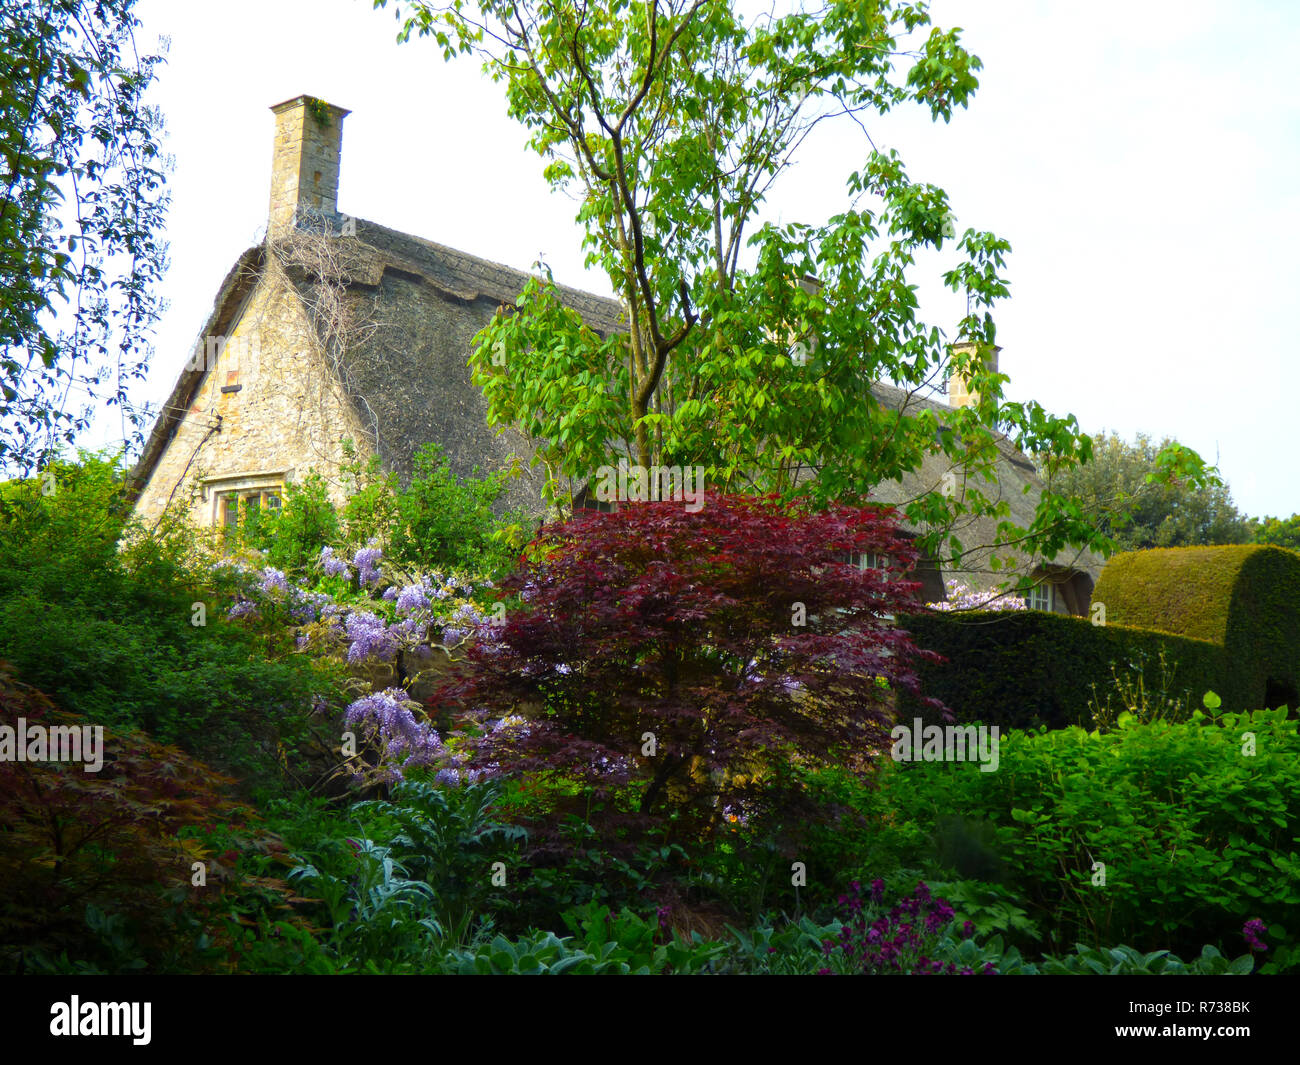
pixel 1026 669
pixel 1245 599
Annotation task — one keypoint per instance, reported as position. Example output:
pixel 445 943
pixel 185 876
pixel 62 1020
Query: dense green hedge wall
pixel 1244 598
pixel 1025 669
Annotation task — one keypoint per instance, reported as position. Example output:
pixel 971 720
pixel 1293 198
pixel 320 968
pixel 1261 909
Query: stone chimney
pixel 959 394
pixel 305 164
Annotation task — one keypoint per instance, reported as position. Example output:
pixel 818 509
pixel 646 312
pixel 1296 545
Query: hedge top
pixel 1192 591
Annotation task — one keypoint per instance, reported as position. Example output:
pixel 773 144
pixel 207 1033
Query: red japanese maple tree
pixel 683 655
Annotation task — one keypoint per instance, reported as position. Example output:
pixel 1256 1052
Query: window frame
pixel 1047 591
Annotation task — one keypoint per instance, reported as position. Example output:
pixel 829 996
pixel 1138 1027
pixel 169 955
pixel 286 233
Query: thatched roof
pixel 1017 483
pixel 403 332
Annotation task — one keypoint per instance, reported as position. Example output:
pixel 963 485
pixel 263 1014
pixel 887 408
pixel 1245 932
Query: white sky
pixel 1141 158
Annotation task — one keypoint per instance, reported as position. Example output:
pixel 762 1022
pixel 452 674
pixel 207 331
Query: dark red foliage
pixel 115 839
pixel 684 625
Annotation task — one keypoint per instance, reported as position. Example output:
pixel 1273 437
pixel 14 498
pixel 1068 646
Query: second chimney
pixel 959 394
pixel 305 165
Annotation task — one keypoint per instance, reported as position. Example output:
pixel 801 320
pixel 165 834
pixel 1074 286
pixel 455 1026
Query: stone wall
pixel 266 410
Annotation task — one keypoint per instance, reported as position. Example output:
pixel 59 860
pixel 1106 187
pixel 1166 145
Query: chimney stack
pixel 305 165
pixel 959 394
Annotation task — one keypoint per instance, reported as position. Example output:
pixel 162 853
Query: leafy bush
pixel 381 918
pixel 444 522
pixel 450 841
pixel 307 520
pixel 1195 834
pixel 687 656
pixel 95 867
pixel 1023 670
pixel 112 635
pixel 1125 961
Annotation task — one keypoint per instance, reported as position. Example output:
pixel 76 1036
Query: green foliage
pixel 790 948
pixel 1243 598
pixel 971 953
pixel 444 522
pixel 371 509
pixel 1196 833
pixel 992 909
pixel 449 839
pixel 1123 486
pixel 1280 532
pixel 834 831
pixel 111 634
pixel 307 520
pixel 671 123
pixel 583 866
pixel 603 943
pixel 539 954
pixel 82 207
pixel 381 919
pixel 1026 669
pixel 1125 961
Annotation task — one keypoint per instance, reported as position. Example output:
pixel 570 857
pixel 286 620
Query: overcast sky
pixel 1142 158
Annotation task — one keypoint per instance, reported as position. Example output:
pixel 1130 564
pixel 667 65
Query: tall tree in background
pixel 751 349
pixel 1281 532
pixel 82 202
pixel 1121 487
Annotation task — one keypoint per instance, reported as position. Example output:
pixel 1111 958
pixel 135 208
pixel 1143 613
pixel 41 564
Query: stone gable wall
pixel 286 414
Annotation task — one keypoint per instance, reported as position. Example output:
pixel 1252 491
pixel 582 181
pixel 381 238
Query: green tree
pixel 81 203
pixel 444 521
pixel 307 520
pixel 1282 532
pixel 1122 489
pixel 751 349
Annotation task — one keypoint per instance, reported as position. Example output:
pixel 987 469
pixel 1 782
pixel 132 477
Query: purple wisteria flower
pixel 1252 930
pixel 365 560
pixel 242 609
pixel 454 776
pixel 411 631
pixel 309 606
pixel 412 597
pixel 273 578
pixel 369 637
pixel 415 742
pixel 962 597
pixel 334 567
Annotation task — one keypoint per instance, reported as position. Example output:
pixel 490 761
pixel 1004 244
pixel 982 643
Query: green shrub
pixel 111 634
pixel 449 838
pixel 1023 670
pixel 1195 836
pixel 307 521
pixel 444 522
pixel 1244 599
pixel 1125 961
